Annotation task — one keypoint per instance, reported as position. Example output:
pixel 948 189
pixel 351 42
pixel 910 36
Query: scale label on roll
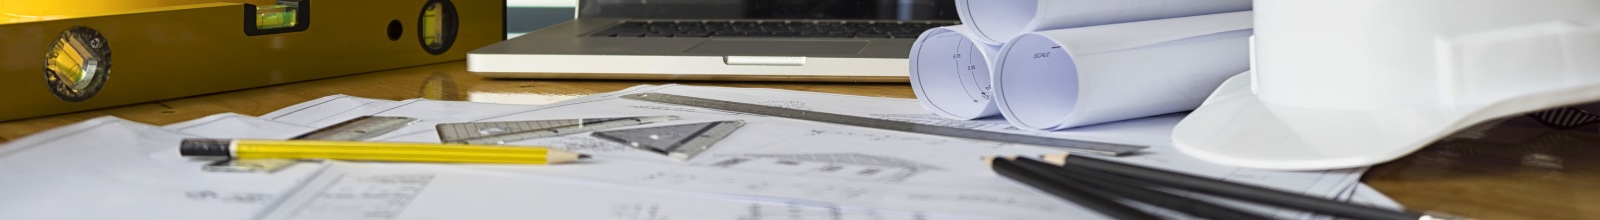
pixel 966 65
pixel 950 73
pixel 1041 73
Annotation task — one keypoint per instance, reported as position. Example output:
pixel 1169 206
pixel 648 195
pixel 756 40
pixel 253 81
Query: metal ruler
pixel 676 141
pixel 501 132
pixel 360 128
pixel 1069 145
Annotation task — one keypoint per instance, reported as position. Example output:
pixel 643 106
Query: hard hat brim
pixel 1235 127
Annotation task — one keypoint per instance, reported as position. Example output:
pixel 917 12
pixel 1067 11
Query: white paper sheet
pixel 1082 76
pixel 110 168
pixel 124 169
pixel 998 21
pixel 950 73
pixel 790 160
pixel 231 125
pixel 805 209
pixel 351 191
pixel 277 129
pixel 784 164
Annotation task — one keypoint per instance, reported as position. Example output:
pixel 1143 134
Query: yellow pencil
pixel 375 151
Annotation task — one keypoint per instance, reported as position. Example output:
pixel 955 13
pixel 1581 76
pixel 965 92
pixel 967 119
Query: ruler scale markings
pixel 1069 145
pixel 479 133
pixel 360 128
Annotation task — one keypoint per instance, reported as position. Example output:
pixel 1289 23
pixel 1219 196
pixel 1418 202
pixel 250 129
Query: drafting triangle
pixel 494 132
pixel 676 141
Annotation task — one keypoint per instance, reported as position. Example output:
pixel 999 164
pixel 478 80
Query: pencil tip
pixel 584 157
pixel 1056 159
pixel 990 159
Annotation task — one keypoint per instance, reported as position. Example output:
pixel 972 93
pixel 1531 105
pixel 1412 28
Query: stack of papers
pixel 772 168
pixel 1052 65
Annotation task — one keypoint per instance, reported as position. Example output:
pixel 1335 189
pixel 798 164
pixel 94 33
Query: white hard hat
pixel 1350 83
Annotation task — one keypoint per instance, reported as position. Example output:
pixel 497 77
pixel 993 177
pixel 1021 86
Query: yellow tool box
pixel 61 56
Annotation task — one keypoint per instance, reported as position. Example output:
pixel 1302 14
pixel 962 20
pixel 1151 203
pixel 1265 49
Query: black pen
pixel 1117 186
pixel 1240 191
pixel 1067 190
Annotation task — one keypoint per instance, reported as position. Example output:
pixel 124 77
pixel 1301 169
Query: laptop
pixel 740 40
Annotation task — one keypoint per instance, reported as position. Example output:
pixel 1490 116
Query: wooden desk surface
pixel 1534 173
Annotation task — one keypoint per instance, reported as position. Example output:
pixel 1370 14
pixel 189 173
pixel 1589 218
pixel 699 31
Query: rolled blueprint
pixel 950 73
pixel 997 21
pixel 1067 78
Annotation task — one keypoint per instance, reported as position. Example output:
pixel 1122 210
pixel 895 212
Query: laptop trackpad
pixel 777 47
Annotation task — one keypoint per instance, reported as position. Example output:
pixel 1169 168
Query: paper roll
pixel 950 73
pixel 995 22
pixel 1068 78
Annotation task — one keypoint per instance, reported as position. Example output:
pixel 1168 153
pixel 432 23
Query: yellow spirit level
pixel 69 55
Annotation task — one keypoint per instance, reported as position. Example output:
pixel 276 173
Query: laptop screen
pixel 770 9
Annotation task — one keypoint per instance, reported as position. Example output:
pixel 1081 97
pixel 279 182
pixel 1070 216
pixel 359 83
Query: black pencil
pixel 1075 193
pixel 1118 186
pixel 1238 191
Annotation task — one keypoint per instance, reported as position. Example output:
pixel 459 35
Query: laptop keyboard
pixel 772 29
